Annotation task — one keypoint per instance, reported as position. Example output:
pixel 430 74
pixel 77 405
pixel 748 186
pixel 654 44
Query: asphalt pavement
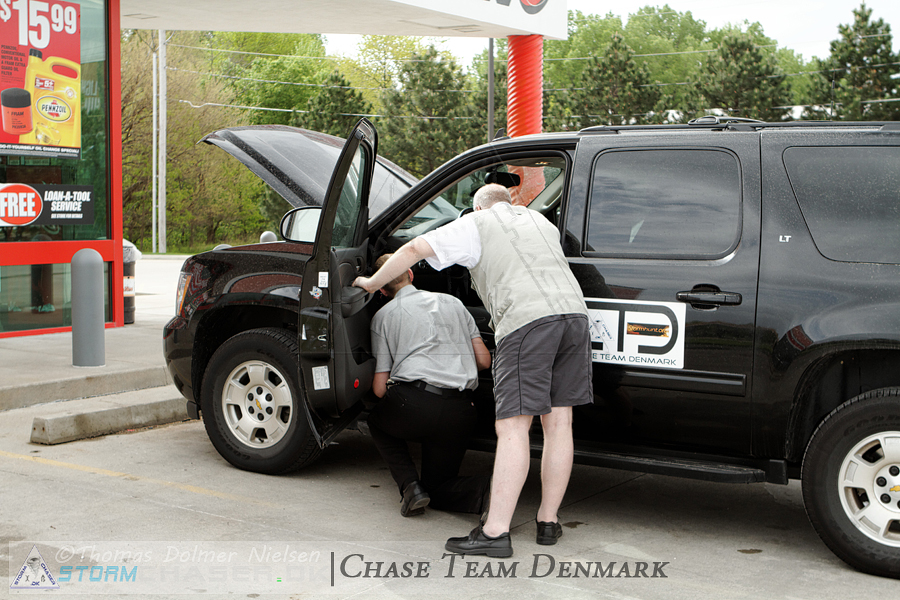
pixel 155 512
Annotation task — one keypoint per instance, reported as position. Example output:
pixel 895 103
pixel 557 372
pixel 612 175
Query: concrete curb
pixel 87 385
pixel 109 414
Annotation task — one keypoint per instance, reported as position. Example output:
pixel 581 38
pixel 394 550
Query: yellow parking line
pixel 131 477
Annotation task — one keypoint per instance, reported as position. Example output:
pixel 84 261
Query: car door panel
pixel 700 399
pixel 335 366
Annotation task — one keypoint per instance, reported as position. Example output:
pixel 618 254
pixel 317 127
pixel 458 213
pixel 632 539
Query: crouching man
pixel 428 353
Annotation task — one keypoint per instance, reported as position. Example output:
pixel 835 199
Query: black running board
pixel 689 466
pixel 676 467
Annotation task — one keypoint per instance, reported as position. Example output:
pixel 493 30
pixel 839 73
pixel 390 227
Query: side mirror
pixel 301 224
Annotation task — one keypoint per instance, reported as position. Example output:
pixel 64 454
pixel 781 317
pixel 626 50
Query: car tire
pixel 251 403
pixel 851 466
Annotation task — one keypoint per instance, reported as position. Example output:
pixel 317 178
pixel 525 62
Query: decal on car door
pixel 636 333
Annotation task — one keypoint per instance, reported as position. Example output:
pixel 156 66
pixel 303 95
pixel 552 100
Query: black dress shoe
pixel 477 542
pixel 548 532
pixel 414 501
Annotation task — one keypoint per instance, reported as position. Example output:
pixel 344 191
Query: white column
pixel 162 141
pixel 153 211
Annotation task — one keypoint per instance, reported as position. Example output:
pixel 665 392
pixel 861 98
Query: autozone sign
pixel 531 6
pixel 500 18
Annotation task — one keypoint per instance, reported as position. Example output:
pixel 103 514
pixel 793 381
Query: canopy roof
pixel 461 18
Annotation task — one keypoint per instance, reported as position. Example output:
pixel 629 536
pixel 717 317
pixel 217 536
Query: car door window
pixel 350 203
pixel 683 203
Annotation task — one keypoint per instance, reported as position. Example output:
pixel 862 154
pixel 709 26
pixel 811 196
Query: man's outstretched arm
pixel 409 254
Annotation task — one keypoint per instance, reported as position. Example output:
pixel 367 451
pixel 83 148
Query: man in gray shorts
pixel 542 364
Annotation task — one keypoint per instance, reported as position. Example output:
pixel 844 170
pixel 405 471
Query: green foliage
pixel 379 61
pixel 426 120
pixel 478 133
pixel 211 198
pixel 334 109
pixel 857 75
pixel 744 81
pixel 285 82
pixel 588 36
pixel 615 90
pixel 247 47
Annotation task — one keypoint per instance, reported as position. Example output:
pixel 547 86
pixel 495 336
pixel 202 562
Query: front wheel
pixel 851 482
pixel 251 403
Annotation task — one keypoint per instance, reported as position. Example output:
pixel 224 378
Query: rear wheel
pixel 851 482
pixel 251 403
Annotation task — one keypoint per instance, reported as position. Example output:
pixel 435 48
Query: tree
pixel 743 81
pixel 378 63
pixel 426 115
pixel 334 109
pixel 567 59
pixel 857 75
pixel 283 82
pixel 478 101
pixel 614 89
pixel 210 196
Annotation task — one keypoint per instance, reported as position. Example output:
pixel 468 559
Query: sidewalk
pixel 36 370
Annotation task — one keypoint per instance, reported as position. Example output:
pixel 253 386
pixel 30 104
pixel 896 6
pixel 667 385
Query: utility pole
pixel 490 109
pixel 162 141
pixel 153 211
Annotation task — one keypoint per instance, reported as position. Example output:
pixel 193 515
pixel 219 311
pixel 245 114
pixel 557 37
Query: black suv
pixel 743 280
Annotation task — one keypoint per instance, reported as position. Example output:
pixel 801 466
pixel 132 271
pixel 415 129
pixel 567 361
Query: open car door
pixel 336 365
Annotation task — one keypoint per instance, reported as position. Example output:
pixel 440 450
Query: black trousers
pixel 443 426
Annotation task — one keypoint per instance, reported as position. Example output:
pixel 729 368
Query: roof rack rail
pixel 717 120
pixel 717 123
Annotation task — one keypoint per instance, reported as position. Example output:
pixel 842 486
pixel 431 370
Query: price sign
pixel 37 19
pixel 40 77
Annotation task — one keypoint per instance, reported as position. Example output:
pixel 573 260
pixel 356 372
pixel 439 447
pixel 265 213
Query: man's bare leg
pixel 510 470
pixel 556 461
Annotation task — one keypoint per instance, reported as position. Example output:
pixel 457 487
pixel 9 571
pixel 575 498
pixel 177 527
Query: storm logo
pixel 19 205
pixel 532 7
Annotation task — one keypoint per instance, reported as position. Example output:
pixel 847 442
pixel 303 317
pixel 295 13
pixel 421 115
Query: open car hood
pixel 298 163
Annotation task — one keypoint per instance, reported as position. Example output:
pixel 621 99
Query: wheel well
pixel 219 325
pixel 832 381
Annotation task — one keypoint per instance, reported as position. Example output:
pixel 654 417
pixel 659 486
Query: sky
pixel 805 26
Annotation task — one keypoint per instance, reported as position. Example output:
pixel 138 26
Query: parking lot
pixel 166 488
pixel 157 512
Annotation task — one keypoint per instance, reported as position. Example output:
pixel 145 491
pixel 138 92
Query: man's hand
pixel 409 254
pixel 365 283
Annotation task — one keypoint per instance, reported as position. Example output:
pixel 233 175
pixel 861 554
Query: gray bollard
pixel 88 330
pixel 268 237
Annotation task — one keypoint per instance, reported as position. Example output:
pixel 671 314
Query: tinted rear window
pixel 850 198
pixel 665 204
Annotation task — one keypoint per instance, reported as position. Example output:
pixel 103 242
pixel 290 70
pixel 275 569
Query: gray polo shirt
pixel 426 336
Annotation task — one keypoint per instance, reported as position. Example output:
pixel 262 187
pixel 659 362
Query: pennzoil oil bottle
pixel 56 101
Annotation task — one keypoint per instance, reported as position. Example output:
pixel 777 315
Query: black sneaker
pixel 548 532
pixel 414 501
pixel 477 542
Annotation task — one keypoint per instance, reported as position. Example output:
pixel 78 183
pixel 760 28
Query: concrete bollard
pixel 88 330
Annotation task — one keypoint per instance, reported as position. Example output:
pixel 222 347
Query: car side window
pixel 850 198
pixel 679 203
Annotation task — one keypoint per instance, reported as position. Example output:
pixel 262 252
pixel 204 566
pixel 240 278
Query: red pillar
pixel 524 106
pixel 525 74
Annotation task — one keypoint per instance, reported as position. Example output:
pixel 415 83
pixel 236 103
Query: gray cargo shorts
pixel 543 364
